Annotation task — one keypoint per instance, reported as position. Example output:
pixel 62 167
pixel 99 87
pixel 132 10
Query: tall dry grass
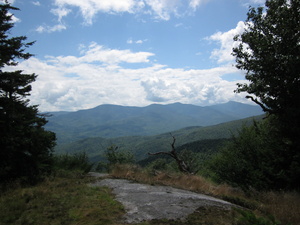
pixel 179 180
pixel 284 206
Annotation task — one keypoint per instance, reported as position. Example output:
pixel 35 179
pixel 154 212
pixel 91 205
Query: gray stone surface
pixel 147 202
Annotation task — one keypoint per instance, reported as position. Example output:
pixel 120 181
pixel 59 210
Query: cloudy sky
pixel 131 52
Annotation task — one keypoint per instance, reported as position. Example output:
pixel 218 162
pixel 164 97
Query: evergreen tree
pixel 26 147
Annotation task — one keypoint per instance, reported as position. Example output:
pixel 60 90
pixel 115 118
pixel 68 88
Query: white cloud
pixel 97 53
pixel 60 12
pixel 225 39
pixel 194 4
pixel 248 3
pixel 179 25
pixel 163 9
pixel 15 19
pixel 89 8
pixel 94 78
pixel 50 29
pixel 159 9
pixel 130 41
pixel 9 1
pixel 139 42
pixel 36 3
pixel 258 1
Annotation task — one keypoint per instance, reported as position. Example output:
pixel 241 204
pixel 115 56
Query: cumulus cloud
pixel 89 8
pixel 98 53
pixel 162 9
pixel 225 40
pixel 202 87
pixel 50 29
pixel 60 12
pixel 159 9
pixel 94 78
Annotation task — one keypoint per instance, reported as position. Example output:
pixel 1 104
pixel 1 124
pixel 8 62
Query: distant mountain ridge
pixel 141 145
pixel 109 121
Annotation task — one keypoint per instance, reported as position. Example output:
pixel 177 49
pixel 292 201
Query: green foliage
pixel 108 121
pixel 267 155
pixel 60 201
pixel 77 162
pixel 141 145
pixel 249 218
pixel 161 164
pixel 114 156
pixel 255 159
pixel 270 54
pixel 26 147
pixel 195 155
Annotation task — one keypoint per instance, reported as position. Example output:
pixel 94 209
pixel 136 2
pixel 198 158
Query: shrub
pixel 254 159
pixel 113 157
pixel 77 162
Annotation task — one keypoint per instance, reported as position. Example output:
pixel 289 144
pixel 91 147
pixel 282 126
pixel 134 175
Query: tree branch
pixel 260 104
pixel 183 167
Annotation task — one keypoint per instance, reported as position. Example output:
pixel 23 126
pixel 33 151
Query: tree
pixel 253 159
pixel 183 166
pixel 26 147
pixel 269 53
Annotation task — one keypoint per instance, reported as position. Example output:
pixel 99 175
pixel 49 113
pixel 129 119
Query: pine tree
pixel 26 147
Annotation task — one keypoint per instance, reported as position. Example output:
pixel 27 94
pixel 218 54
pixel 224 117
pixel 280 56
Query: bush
pixel 77 162
pixel 257 159
pixel 114 156
pixel 249 218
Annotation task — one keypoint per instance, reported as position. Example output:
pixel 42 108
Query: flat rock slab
pixel 144 202
pixel 95 174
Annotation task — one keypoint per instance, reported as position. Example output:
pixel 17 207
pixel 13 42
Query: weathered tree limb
pixel 183 167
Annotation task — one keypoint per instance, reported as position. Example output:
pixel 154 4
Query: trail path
pixel 147 202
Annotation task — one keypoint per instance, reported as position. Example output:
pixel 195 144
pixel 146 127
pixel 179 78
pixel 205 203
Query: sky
pixel 131 52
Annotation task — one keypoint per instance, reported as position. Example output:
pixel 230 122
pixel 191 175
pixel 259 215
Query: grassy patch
pixel 202 216
pixel 67 199
pixel 283 207
pixel 60 201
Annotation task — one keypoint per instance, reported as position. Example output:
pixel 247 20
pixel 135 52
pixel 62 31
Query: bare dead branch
pixel 183 167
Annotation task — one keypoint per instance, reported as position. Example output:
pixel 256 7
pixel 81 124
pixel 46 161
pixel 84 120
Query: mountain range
pixel 141 145
pixel 109 121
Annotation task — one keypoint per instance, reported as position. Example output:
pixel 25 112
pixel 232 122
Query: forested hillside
pixel 110 121
pixel 141 145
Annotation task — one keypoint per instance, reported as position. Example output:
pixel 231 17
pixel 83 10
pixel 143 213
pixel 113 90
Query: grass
pixel 60 201
pixel 67 199
pixel 275 206
pixel 202 216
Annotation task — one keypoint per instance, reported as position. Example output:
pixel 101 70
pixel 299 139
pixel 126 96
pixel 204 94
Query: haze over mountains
pixel 110 121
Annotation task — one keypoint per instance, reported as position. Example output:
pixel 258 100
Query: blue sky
pixel 131 52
